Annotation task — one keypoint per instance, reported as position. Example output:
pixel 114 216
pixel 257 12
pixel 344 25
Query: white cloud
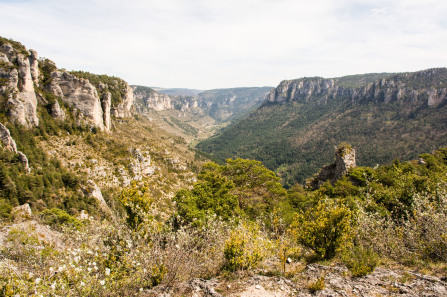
pixel 210 44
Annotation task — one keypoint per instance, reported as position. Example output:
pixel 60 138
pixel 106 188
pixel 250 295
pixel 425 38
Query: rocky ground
pixel 337 282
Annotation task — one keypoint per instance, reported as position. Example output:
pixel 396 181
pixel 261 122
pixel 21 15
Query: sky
pixel 207 44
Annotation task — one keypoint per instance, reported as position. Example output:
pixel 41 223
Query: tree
pixel 210 196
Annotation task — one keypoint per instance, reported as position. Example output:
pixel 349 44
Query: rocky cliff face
pixel 122 110
pixel 427 87
pixel 17 73
pixel 79 93
pixel 148 98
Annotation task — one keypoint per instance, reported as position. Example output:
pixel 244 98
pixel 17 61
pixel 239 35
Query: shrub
pixel 422 236
pixel 325 229
pixel 360 261
pixel 245 248
pixel 137 203
pixel 57 217
pixel 211 196
pixel 318 285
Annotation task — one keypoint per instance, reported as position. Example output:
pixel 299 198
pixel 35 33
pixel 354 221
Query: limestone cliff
pixel 122 109
pixel 17 73
pixel 148 98
pixel 24 80
pixel 427 87
pixel 79 93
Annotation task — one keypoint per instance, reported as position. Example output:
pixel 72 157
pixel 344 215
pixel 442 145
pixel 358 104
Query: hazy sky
pixel 208 44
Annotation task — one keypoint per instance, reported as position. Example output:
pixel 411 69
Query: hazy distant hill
pixel 384 116
pixel 227 104
pixel 178 91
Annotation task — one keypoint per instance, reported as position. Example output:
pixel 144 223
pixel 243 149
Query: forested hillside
pixel 383 116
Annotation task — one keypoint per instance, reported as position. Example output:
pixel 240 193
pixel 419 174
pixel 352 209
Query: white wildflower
pixel 37 281
pixel 82 284
pixel 102 282
pixel 107 271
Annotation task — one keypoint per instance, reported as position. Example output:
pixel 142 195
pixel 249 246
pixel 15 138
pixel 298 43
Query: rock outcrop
pixel 425 87
pixel 141 165
pixel 17 84
pixel 106 103
pixel 24 160
pixel 93 191
pixel 10 144
pixel 34 66
pixel 21 213
pixel 123 109
pixel 6 139
pixel 344 161
pixel 57 112
pixel 79 93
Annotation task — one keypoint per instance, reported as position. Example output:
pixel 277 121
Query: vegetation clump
pixel 15 45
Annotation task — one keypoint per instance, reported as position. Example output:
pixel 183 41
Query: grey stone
pixel 19 86
pixel 79 93
pixel 24 160
pixel 344 161
pixel 7 141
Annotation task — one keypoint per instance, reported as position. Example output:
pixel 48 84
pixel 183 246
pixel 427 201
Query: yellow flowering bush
pixel 245 248
pixel 325 228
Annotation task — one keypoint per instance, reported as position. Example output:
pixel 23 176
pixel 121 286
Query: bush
pixel 360 261
pixel 57 217
pixel 318 285
pixel 325 229
pixel 211 196
pixel 137 203
pixel 421 237
pixel 246 247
